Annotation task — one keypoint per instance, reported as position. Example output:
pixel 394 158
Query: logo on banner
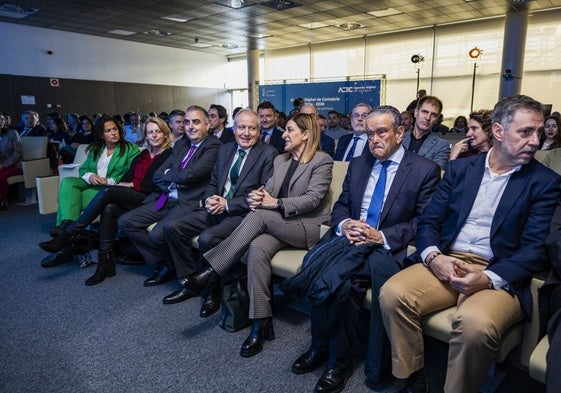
pixel 345 89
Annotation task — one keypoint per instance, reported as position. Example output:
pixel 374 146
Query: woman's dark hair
pixel 99 143
pixel 86 118
pixel 60 125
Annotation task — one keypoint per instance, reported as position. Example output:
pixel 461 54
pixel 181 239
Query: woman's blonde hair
pixel 163 127
pixel 307 122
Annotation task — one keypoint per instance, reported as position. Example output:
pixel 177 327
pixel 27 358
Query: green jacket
pixel 118 165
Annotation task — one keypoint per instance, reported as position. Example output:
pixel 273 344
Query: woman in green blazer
pixel 109 157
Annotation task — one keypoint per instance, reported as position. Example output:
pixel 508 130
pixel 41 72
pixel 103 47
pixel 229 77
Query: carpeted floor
pixel 58 335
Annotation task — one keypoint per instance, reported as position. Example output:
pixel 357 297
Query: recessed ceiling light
pixel 200 45
pixel 16 11
pixel 229 46
pixel 259 35
pixel 158 33
pixel 281 5
pixel 347 26
pixel 384 12
pixel 177 18
pixel 122 32
pixel 313 25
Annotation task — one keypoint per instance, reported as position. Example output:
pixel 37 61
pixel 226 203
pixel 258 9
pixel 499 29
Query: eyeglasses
pixel 362 116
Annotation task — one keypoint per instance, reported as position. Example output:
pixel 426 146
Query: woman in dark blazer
pixel 287 211
pixel 112 202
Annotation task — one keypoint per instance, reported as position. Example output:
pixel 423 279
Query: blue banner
pixel 325 96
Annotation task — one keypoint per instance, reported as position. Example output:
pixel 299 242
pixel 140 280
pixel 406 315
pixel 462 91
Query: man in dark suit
pixel 218 117
pixel 480 240
pixel 354 144
pixel 241 167
pixel 383 194
pixel 31 125
pixel 326 143
pixel 270 132
pixel 181 180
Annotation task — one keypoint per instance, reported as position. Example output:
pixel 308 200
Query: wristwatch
pixel 427 261
pixel 280 205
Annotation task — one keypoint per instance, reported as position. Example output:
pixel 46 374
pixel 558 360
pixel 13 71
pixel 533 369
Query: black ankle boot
pixel 59 229
pixel 261 330
pixel 59 242
pixel 206 278
pixel 105 268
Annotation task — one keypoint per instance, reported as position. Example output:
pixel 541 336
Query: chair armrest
pixel 532 328
pixel 69 170
pixel 47 194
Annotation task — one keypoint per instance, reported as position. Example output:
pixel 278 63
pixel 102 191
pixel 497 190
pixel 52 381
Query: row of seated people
pixel 479 232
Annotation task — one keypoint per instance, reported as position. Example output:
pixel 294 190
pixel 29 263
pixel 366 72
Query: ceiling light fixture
pixel 177 18
pixel 236 3
pixel 348 26
pixel 122 32
pixel 158 33
pixel 384 12
pixel 16 11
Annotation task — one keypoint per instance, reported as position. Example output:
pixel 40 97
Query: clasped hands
pixel 215 204
pixel 358 232
pixel 261 199
pixel 462 276
pixel 96 180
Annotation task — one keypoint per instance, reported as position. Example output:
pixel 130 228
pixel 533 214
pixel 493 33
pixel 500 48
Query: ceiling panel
pixel 217 24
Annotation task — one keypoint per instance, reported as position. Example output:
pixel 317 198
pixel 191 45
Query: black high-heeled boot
pixel 261 330
pixel 105 268
pixel 61 241
pixel 59 229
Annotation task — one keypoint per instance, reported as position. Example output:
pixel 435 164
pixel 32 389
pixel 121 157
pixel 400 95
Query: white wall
pixel 79 56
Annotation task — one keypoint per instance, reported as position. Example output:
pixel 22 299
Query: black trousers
pixel 110 203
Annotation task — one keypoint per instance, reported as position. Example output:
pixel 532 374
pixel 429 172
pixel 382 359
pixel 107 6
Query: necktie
pixel 377 200
pixel 165 195
pixel 265 137
pixel 235 173
pixel 353 148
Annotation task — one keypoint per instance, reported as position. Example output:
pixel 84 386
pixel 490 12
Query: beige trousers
pixel 477 326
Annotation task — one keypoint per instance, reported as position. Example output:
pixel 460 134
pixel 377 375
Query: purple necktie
pixel 165 195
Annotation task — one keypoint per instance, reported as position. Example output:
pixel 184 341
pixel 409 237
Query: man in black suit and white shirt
pixel 242 166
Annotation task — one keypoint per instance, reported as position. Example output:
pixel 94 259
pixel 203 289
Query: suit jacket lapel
pixel 427 144
pixel 112 161
pixel 250 161
pixel 511 193
pixel 471 186
pixel 399 179
pixel 226 171
pixel 282 169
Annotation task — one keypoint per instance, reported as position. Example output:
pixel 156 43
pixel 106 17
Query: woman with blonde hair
pixel 113 201
pixel 287 211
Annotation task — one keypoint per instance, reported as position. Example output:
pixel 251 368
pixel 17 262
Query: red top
pixel 140 169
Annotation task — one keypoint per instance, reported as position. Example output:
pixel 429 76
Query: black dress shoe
pixel 211 304
pixel 159 277
pixel 333 380
pixel 309 361
pixel 53 260
pixel 178 296
pixel 416 383
pixel 261 330
pixel 203 279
